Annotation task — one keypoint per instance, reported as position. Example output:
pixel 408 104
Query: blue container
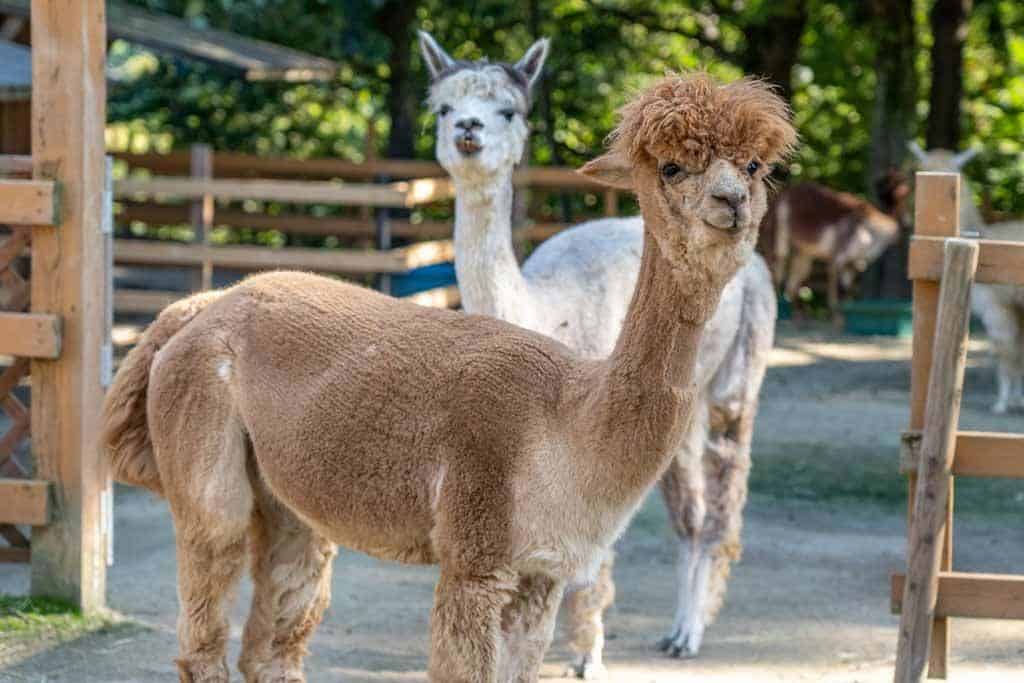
pixel 423 279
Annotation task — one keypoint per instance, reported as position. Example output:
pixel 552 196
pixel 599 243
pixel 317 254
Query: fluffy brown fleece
pixel 692 119
pixel 297 413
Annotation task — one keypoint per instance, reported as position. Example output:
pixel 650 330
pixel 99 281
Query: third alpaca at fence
pixel 292 413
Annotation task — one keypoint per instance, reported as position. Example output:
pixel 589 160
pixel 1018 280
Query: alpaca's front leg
pixel 527 624
pixel 466 641
pixel 584 609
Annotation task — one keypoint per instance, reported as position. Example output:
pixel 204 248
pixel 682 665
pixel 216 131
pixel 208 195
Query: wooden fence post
pixel 936 214
pixel 68 279
pixel 935 466
pixel 201 212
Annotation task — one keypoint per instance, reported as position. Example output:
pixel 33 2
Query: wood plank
pixel 28 202
pixel 30 335
pixel 426 190
pixel 69 280
pixel 937 214
pixel 942 413
pixel 15 555
pixel 999 262
pixel 15 164
pixel 291 191
pixel 978 454
pixel 353 261
pixel 439 297
pixel 24 501
pixel 975 596
pixel 162 214
pixel 143 301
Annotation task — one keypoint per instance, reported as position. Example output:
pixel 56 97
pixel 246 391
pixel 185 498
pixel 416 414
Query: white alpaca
pixel 576 287
pixel 1000 307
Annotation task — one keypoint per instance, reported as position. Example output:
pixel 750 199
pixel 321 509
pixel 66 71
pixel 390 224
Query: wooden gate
pixel 933 452
pixel 58 343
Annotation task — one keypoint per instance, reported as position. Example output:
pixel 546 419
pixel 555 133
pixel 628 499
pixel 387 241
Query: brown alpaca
pixel 295 412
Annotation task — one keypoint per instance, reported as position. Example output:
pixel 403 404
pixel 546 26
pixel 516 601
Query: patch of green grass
pixel 24 616
pixel 826 472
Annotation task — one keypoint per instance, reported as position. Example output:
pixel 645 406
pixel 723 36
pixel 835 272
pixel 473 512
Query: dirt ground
pixel 808 602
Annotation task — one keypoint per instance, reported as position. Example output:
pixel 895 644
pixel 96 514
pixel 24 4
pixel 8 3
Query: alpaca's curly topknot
pixel 691 118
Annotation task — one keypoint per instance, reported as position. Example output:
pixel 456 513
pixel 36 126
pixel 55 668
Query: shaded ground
pixel 809 601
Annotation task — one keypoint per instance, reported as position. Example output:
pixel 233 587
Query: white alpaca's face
pixel 481 109
pixel 481 121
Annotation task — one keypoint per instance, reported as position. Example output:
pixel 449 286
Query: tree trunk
pixel 949 29
pixel 774 44
pixel 395 20
pixel 892 23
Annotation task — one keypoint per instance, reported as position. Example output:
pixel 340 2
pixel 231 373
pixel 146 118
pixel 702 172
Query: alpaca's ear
pixel 611 168
pixel 916 150
pixel 436 59
pixel 533 61
pixel 961 159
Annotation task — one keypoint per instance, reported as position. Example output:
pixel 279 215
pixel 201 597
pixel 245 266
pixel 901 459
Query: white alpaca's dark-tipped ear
pixel 916 150
pixel 436 59
pixel 532 62
pixel 611 168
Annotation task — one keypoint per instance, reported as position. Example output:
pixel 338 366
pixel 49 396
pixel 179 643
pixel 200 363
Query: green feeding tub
pixel 879 317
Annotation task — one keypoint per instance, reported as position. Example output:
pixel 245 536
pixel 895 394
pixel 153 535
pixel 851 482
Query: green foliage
pixel 24 616
pixel 602 51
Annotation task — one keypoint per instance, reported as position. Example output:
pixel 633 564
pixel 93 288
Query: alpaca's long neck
pixel 490 282
pixel 636 404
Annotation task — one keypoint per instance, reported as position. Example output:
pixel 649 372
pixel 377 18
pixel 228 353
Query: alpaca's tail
pixel 124 436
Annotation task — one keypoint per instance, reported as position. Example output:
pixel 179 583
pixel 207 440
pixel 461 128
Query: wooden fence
pixel 933 452
pixel 203 182
pixel 55 325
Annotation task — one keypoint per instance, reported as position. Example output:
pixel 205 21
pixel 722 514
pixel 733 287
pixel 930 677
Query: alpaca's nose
pixel 733 197
pixel 469 124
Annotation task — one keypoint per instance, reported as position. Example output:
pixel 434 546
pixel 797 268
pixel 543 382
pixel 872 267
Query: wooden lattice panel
pixel 15 420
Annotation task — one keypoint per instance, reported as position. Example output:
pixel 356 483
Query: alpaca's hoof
pixel 587 670
pixel 682 645
pixel 999 408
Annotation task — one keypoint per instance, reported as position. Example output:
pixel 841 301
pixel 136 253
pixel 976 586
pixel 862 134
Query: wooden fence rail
pixel 208 186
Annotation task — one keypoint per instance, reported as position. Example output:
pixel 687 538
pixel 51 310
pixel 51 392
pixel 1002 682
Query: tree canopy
pixel 859 75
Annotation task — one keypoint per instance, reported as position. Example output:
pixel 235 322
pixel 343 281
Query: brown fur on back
pixel 125 434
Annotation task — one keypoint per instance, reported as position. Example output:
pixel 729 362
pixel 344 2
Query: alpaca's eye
pixel 509 114
pixel 670 170
pixel 753 167
pixel 444 110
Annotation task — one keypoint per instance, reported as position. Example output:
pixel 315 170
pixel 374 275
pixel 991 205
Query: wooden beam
pixel 440 297
pixel 936 214
pixel 15 164
pixel 353 261
pixel 30 335
pixel 24 501
pixel 143 301
pixel 28 202
pixel 974 596
pixel 999 262
pixel 291 191
pixel 69 280
pixel 287 222
pixel 978 454
pixel 15 555
pixel 930 518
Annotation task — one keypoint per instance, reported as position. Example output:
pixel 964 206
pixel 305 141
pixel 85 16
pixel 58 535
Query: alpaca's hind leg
pixel 466 642
pixel 209 563
pixel 527 624
pixel 584 609
pixel 291 569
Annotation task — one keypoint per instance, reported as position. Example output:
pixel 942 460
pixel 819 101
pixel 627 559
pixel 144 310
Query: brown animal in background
pixel 293 413
pixel 809 222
